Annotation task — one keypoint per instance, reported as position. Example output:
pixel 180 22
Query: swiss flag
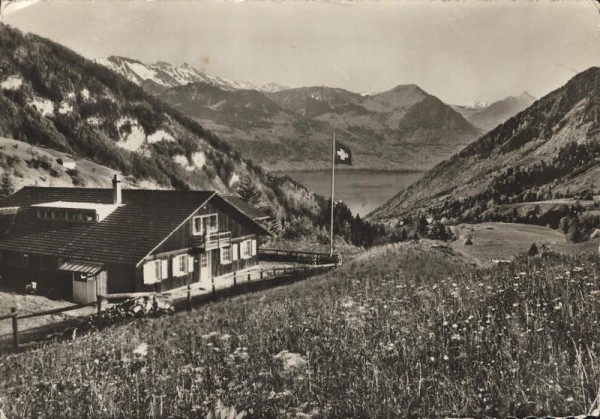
pixel 343 155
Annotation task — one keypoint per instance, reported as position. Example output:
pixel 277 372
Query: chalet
pixel 81 241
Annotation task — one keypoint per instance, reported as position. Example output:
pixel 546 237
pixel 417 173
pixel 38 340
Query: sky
pixel 460 51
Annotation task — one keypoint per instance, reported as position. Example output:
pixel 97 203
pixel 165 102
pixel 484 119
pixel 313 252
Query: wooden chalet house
pixel 79 242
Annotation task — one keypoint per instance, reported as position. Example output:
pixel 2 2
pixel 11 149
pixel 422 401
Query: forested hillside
pixel 551 150
pixel 54 98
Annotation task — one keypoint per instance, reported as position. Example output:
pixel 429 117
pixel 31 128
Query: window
pixel 155 270
pixel 180 265
pixel 205 224
pixel 225 255
pixel 203 260
pixel 152 272
pixel 246 249
pixel 254 247
pixel 70 215
pixel 235 251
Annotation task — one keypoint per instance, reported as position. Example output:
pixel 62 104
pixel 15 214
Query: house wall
pixel 179 243
pixel 43 269
pixel 227 220
pixel 40 269
pixel 120 278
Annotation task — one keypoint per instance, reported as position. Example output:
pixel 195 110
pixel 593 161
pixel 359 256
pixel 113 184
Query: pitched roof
pixel 247 208
pixel 126 236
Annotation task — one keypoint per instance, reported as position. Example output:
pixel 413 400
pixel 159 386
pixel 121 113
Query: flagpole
pixel 332 190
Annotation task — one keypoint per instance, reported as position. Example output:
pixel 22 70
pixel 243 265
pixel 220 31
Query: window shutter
pixel 149 273
pixel 234 252
pixel 175 266
pixel 164 264
pixel 253 247
pixel 190 263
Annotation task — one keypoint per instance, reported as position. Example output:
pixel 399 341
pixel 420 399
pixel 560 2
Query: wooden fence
pixel 310 258
pixel 241 281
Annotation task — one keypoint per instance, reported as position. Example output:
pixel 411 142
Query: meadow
pixel 411 329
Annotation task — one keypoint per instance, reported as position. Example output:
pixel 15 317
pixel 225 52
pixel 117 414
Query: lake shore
pixel 362 190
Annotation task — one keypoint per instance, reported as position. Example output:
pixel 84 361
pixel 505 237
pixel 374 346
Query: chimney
pixel 117 200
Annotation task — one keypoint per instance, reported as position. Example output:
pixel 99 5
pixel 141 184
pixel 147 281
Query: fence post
pixel 15 328
pixel 235 278
pixel 249 277
pixel 261 274
pixel 99 303
pixel 189 297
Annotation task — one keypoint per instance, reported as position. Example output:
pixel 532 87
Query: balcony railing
pixel 211 241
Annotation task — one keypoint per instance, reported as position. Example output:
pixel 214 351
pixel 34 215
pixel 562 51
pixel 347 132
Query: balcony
pixel 211 241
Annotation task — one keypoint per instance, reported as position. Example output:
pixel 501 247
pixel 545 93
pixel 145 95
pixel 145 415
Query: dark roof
pixel 245 207
pixel 126 236
pixel 51 243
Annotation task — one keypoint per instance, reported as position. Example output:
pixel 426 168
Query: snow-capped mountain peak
pixel 476 105
pixel 170 75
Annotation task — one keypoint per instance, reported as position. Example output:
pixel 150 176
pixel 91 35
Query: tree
pixel 438 231
pixel 7 186
pixel 247 190
pixel 422 226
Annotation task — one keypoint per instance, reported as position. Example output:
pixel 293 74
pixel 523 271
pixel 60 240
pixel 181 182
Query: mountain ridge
pixel 290 129
pixel 493 114
pixel 531 153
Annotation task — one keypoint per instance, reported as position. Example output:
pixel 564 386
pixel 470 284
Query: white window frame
pixel 246 249
pixel 177 262
pixel 210 229
pixel 152 272
pixel 226 255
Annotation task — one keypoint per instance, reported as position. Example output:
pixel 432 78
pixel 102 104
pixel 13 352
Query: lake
pixel 361 190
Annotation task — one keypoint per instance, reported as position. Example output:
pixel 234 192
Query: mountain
pixel 164 75
pixel 549 150
pixel 290 129
pixel 488 116
pixel 53 98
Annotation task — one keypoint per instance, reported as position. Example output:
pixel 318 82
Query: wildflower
pixel 446 357
pixel 210 335
pixel 291 360
pixel 141 351
pixel 454 326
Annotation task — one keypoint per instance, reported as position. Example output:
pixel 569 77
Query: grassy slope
pixel 90 174
pixel 503 240
pixel 406 330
